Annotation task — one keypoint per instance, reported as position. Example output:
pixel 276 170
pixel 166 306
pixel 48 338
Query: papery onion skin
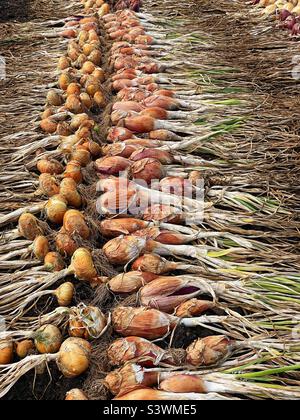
pixel 193 307
pixel 54 262
pixel 76 395
pixel 65 294
pixel 6 352
pixel 112 165
pixel 48 185
pixel 68 190
pixel 176 185
pixel 141 322
pixel 130 282
pixel 40 247
pixel 74 223
pixel 183 384
pixel 163 213
pixel 50 166
pixel 87 322
pixel 83 265
pixel 163 157
pixel 154 264
pixel 122 250
pixel 208 351
pixel 29 226
pixel 73 170
pixel 56 208
pixel 65 245
pixel 147 170
pixel 48 339
pixel 74 357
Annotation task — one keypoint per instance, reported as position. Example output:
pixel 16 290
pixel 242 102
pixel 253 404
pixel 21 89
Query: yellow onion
pixel 112 165
pixel 183 383
pixel 78 120
pixel 48 126
pixel 56 208
pixel 99 74
pixel 138 350
pixel 73 89
pixel 64 81
pixel 74 357
pixel 81 60
pixel 48 339
pixel 142 322
pixel 24 348
pixel 130 282
pixel 100 99
pixel 64 63
pixel 63 129
pixel 93 36
pixel 208 351
pixel 74 223
pixel 122 250
pixel 73 104
pixel 83 266
pixel 193 307
pixel 54 262
pixel 87 322
pixel 50 166
pixel 6 352
pixel 65 294
pixel 86 100
pixel 68 190
pixel 47 113
pixel 87 48
pixel 88 67
pixel 40 247
pixel 68 33
pixel 104 10
pixel 76 395
pixel 92 85
pixel 29 226
pixel 83 157
pixel 84 133
pixel 65 244
pixel 95 58
pixel 148 394
pixel 54 98
pixel 73 170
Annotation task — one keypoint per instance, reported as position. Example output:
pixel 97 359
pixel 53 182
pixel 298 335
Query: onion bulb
pixel 112 165
pixel 6 352
pixel 24 348
pixel 54 262
pixel 183 383
pixel 50 166
pixel 87 322
pixel 68 190
pixel 83 266
pixel 147 170
pixel 208 351
pixel 29 226
pixel 65 294
pixel 194 307
pixel 112 228
pixel 40 247
pixel 74 223
pixel 76 395
pixel 74 357
pixel 121 250
pixel 65 244
pixel 130 282
pixel 56 208
pixel 54 98
pixel 73 170
pixel 48 339
pixel 48 126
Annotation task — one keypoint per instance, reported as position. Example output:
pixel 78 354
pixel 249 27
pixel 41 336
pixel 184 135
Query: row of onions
pixel 137 163
pixel 286 12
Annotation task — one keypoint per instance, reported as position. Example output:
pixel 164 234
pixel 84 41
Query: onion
pixel 163 157
pixel 130 282
pixel 127 106
pixel 76 395
pixel 193 307
pixel 65 244
pixel 95 57
pixel 209 350
pixel 147 170
pixel 88 67
pixel 74 223
pixel 68 33
pixel 40 247
pixel 50 166
pixel 56 208
pixel 153 263
pixel 86 100
pixel 100 99
pixel 64 63
pixel 47 113
pixel 140 124
pixel 48 126
pixel 68 190
pixel 87 322
pixel 121 250
pixel 284 14
pixel 163 213
pixel 6 352
pixel 99 74
pixel 54 262
pixel 120 149
pixel 74 357
pixel 65 294
pixel 83 266
pixel 73 170
pixel 63 129
pixel 112 165
pixel 112 228
pixel 48 339
pixel 78 120
pixel 24 348
pixel 29 226
pixel 148 394
pixel 183 383
pixel 74 89
pixel 116 134
pixel 54 98
pixel 176 185
pixel 141 351
pixel 73 104
pixel 64 79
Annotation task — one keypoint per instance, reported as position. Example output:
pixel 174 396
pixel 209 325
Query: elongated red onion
pixel 112 165
pixel 176 185
pixel 147 170
pixel 130 282
pixel 162 156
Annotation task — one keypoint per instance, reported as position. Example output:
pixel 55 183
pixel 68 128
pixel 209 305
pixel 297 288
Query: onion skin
pixel 48 126
pixel 29 226
pixel 163 213
pixel 162 236
pixel 76 395
pixel 140 124
pixel 87 322
pixel 176 185
pixel 183 384
pixel 50 166
pixel 121 250
pixel 112 228
pixel 112 165
pixel 24 348
pixel 48 339
pixel 74 223
pixel 6 352
pixel 138 350
pixel 120 149
pixel 68 190
pixel 83 157
pixel 153 263
pixel 56 208
pixel 83 265
pixel 130 282
pixel 147 170
pixel 73 170
pixel 54 262
pixel 163 157
pixel 141 322
pixel 194 307
pixel 40 247
pixel 65 294
pixel 208 351
pixel 116 134
pixel 65 245
pixel 127 106
pixel 74 357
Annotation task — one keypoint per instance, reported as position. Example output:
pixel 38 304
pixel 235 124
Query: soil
pixel 19 10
